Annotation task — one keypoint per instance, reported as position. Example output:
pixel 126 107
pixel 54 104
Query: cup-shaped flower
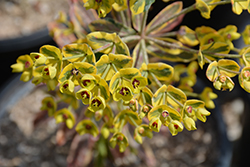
pixel 189 123
pixel 97 103
pixel 88 81
pixel 87 126
pixel 246 34
pixel 174 127
pixel 75 70
pixel 102 6
pixel 155 124
pixel 141 131
pixel 244 78
pixel 133 104
pixel 138 83
pixel 223 82
pixel 49 104
pixel 229 33
pixel 49 72
pixel 67 87
pixel 24 64
pixel 38 58
pixel 144 111
pixel 124 93
pixel 64 115
pixel 84 95
pixel 201 114
pixel 207 96
pixel 119 139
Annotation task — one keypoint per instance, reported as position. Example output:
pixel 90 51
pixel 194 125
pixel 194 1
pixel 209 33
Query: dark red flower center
pixel 27 64
pixel 65 86
pixel 98 1
pixel 124 91
pixel 155 124
pixel 49 105
pixel 65 116
pixel 85 95
pixel 88 127
pixel 135 83
pixel 229 36
pixel 210 40
pixel 46 71
pixel 96 102
pixel 120 138
pixel 176 126
pixel 37 56
pixel 85 82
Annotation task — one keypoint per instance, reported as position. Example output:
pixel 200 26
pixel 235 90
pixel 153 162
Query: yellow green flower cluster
pixel 112 89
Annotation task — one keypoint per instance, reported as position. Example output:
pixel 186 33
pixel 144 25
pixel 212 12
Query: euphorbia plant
pixel 109 66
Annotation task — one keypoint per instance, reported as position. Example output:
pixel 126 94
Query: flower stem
pixel 190 50
pixel 103 47
pixel 231 71
pixel 104 74
pixel 132 120
pixel 156 80
pixel 144 21
pixel 175 99
pixel 145 55
pixel 131 38
pixel 73 57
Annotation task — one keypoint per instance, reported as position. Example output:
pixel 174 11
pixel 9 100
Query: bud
pixel 201 114
pixel 165 114
pixel 189 123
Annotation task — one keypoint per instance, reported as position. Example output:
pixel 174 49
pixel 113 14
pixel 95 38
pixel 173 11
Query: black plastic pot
pixel 10 49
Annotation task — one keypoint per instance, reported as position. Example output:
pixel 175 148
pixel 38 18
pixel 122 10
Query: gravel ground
pixel 23 17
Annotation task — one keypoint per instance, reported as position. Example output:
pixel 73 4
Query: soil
pixel 22 145
pixel 23 17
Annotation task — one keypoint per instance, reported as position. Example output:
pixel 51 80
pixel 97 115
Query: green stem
pixel 123 18
pixel 236 50
pixel 103 47
pixel 84 59
pixel 175 46
pixel 191 94
pixel 145 55
pixel 114 67
pixel 231 71
pixel 104 74
pixel 164 98
pixel 132 120
pixel 175 99
pixel 122 125
pixel 144 21
pixel 156 80
pixel 73 57
pixel 131 38
pixel 167 34
pixel 143 98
